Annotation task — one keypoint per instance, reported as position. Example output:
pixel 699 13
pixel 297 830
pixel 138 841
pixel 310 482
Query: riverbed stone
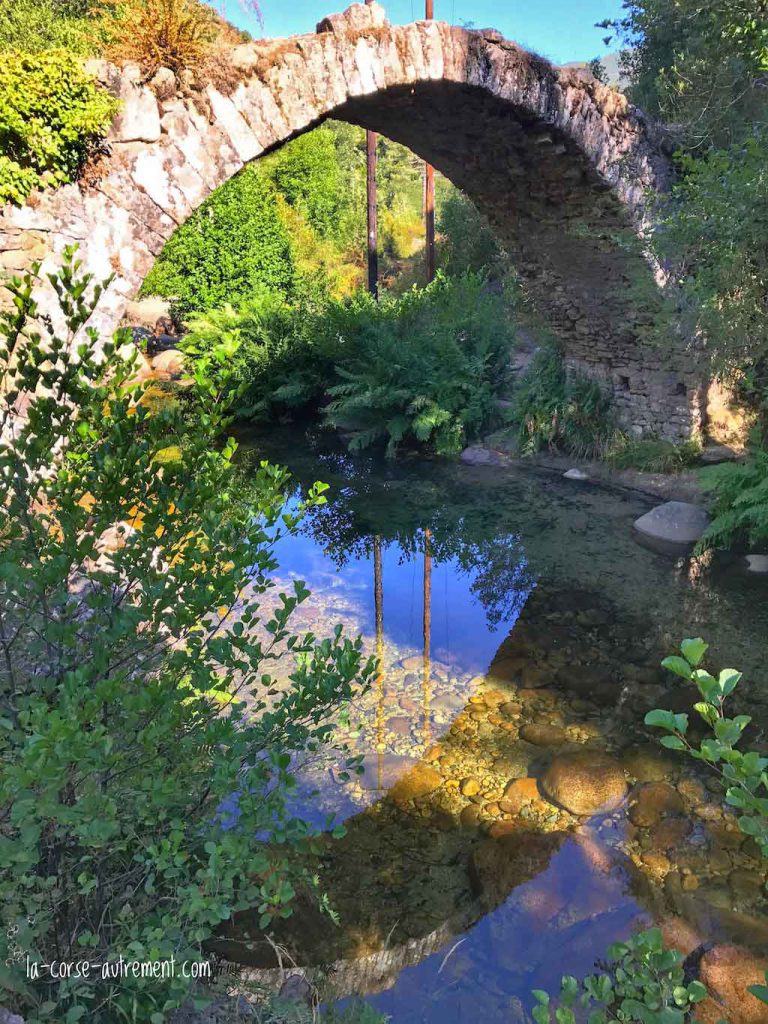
pixel 419 782
pixel 470 787
pixel 169 363
pixel 652 801
pixel 584 782
pixel 645 763
pixel 541 734
pixel 675 522
pixel 727 971
pixel 518 793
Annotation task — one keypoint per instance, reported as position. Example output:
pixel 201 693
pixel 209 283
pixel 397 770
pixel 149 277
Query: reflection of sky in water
pixel 547 927
pixel 476 597
pixel 461 634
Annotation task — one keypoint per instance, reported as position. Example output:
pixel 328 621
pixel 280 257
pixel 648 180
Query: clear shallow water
pixel 457 895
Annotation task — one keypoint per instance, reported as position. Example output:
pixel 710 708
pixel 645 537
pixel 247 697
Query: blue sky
pixel 562 30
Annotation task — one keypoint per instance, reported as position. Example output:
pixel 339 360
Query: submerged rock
pixel 727 972
pixel 477 456
pixel 651 802
pixel 585 782
pixel 418 783
pixel 674 522
pixel 575 474
pixel 757 564
pixel 540 734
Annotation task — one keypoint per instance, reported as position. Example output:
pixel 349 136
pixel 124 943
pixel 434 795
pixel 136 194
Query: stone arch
pixel 558 163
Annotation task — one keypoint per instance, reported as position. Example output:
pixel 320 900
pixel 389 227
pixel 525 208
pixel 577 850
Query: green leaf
pixel 694 650
pixel 677 665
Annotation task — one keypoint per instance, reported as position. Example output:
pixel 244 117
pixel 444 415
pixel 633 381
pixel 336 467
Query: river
pixel 520 628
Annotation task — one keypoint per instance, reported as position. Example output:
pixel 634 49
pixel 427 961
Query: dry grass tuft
pixel 176 34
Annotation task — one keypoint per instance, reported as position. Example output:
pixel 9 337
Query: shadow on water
pixel 520 629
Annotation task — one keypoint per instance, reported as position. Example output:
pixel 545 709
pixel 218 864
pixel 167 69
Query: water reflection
pixel 517 623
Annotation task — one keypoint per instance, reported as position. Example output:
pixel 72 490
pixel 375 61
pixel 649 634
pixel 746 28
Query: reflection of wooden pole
pixel 371 140
pixel 378 599
pixel 429 193
pixel 427 631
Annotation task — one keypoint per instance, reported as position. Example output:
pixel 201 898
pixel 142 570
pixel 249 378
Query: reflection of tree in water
pixel 367 501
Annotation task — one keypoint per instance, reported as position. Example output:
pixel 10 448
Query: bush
pixel 277 356
pixel 743 775
pixel 35 25
pixel 143 769
pixel 741 503
pixel 51 116
pixel 234 243
pixel 468 244
pixel 713 233
pixel 308 175
pixel 174 34
pixel 422 368
pixel 642 983
pixel 561 411
pixel 652 454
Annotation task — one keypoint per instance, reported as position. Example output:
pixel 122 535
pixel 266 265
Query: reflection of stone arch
pixel 555 160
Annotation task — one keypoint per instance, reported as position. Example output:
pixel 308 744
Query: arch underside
pixel 557 163
pixel 571 239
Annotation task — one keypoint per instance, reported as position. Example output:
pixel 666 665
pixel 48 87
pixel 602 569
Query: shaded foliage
pixel 560 410
pixel 143 766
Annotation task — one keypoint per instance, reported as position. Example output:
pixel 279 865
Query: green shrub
pixel 422 368
pixel 642 983
pixel 51 115
pixel 740 513
pixel 652 454
pixel 562 411
pixel 233 243
pixel 35 25
pixel 744 776
pixel 468 244
pixel 277 356
pixel 307 173
pixel 712 231
pixel 143 769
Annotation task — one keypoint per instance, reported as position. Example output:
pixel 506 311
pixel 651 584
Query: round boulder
pixel 585 782
pixel 169 363
pixel 418 783
pixel 674 522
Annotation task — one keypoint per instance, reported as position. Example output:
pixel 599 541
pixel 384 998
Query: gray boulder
pixel 477 456
pixel 757 564
pixel 674 522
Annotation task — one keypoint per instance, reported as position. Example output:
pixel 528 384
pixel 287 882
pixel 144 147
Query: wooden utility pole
pixel 429 191
pixel 371 140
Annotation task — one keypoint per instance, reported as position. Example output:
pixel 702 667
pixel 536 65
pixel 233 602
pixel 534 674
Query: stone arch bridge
pixel 558 164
